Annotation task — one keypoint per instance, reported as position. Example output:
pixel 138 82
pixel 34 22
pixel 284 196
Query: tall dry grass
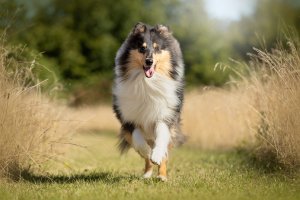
pixel 276 85
pixel 261 109
pixel 219 118
pixel 30 127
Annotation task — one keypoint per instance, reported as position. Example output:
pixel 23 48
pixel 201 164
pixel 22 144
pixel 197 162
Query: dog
pixel 148 94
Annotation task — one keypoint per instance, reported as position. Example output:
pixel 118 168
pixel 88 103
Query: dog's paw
pixel 162 178
pixel 148 174
pixel 158 154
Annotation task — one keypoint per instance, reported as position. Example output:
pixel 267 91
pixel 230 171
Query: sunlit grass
pixel 98 172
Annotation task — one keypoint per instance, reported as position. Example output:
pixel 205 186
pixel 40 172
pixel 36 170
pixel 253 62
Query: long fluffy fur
pixel 141 102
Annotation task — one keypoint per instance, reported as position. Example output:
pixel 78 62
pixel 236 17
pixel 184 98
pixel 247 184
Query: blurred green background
pixel 75 41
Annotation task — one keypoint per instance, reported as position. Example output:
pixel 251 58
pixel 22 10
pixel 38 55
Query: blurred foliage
pixel 78 39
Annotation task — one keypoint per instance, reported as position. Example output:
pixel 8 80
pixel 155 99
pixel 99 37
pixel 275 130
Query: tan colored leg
pixel 148 168
pixel 148 165
pixel 162 170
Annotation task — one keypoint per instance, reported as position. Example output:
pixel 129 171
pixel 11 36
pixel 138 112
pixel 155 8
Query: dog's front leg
pixel 162 140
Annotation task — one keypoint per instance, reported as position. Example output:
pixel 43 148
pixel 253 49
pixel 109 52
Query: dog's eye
pixel 142 49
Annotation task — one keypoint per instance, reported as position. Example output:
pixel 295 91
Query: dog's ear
pixel 163 30
pixel 140 27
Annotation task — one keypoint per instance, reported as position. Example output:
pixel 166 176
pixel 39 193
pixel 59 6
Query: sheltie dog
pixel 148 94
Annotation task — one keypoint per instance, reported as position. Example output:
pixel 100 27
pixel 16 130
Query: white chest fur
pixel 146 101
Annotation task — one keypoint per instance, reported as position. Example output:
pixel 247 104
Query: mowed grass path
pixel 98 172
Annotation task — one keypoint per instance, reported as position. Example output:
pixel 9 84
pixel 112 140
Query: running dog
pixel 148 94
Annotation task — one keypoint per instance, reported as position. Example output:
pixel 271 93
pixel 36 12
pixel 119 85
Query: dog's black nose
pixel 149 61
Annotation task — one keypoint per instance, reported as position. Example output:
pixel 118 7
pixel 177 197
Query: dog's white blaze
pixel 146 101
pixel 140 144
pixel 162 139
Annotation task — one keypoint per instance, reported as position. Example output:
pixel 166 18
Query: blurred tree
pixel 202 45
pixel 264 27
pixel 79 38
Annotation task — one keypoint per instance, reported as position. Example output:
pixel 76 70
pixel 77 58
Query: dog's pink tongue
pixel 149 72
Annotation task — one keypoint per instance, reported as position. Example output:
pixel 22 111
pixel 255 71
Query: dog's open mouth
pixel 149 71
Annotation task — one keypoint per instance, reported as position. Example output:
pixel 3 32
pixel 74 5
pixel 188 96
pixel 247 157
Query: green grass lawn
pixel 98 172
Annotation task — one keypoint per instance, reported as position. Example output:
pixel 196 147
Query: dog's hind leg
pixel 148 168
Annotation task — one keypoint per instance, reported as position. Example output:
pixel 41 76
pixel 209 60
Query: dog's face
pixel 149 49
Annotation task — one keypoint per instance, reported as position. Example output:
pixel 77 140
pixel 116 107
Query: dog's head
pixel 150 49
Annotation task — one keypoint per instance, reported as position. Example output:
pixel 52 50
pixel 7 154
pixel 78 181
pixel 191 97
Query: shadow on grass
pixel 265 162
pixel 105 177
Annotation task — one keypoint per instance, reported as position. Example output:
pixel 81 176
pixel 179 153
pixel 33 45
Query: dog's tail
pixel 125 135
pixel 123 145
pixel 178 137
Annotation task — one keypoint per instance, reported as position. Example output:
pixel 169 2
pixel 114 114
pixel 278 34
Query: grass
pixel 96 171
pixel 261 109
pixel 30 126
pixel 218 118
pixel 277 90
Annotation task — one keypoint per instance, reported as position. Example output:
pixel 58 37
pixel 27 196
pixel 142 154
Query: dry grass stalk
pixel 265 103
pixel 277 86
pixel 30 127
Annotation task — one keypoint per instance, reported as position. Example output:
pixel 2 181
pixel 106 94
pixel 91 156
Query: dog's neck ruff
pixel 146 101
